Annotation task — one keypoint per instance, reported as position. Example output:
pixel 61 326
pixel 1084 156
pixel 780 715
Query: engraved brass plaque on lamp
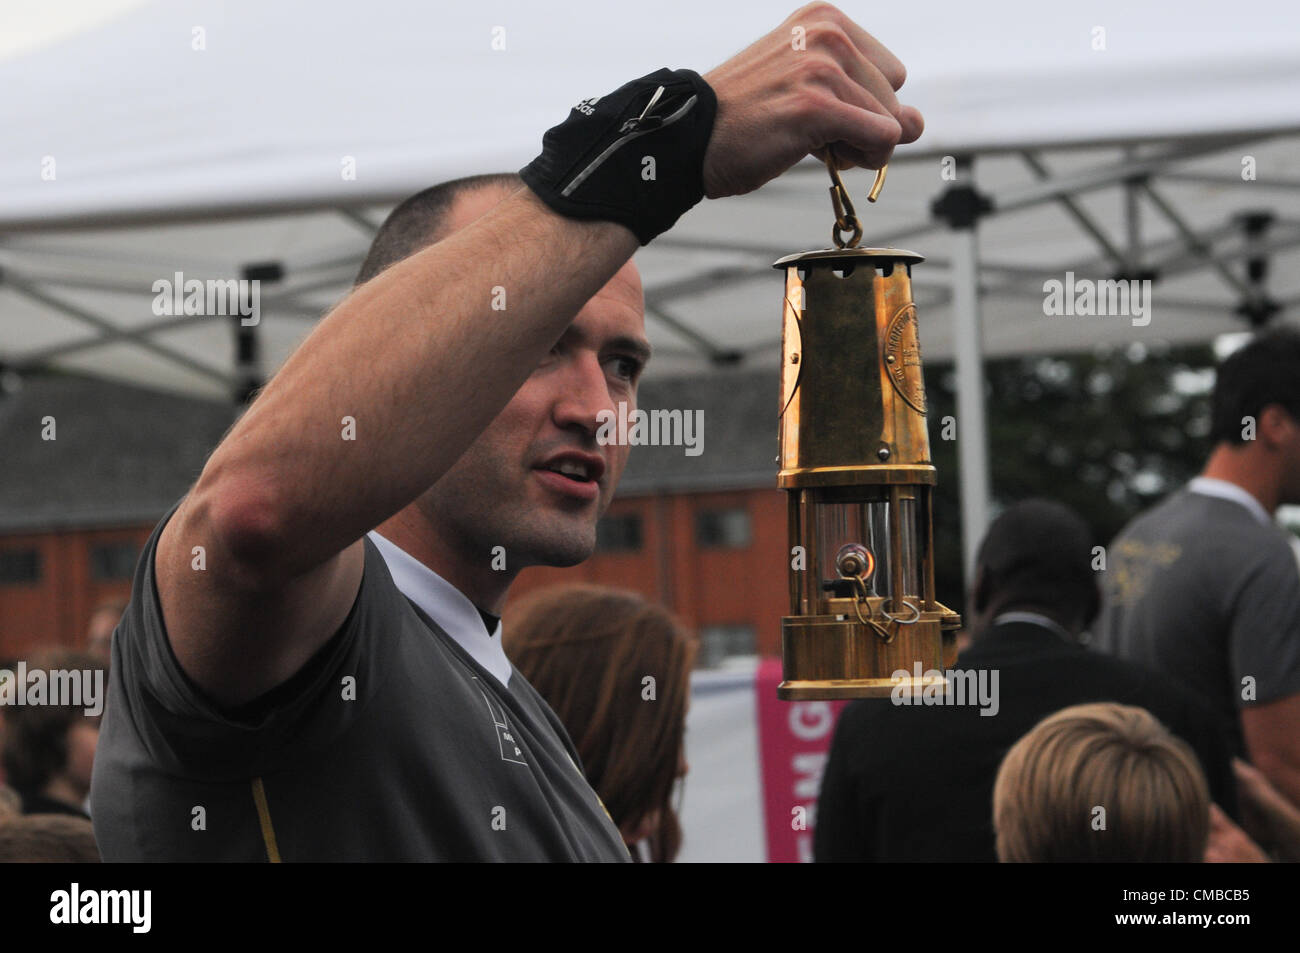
pixel 855 463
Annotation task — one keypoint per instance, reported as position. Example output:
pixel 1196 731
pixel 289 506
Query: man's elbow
pixel 235 530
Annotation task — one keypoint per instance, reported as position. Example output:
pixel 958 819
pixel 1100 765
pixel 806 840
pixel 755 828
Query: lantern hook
pixel 846 219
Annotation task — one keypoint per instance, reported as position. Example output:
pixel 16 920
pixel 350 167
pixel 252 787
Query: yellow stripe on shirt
pixel 264 816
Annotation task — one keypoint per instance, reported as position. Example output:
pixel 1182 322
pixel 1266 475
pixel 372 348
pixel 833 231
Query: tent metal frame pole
pixel 1127 173
pixel 961 207
pixel 1136 174
pixel 972 435
pixel 1029 295
pixel 359 219
pixel 1194 242
pixel 118 336
pixel 1101 177
pixel 1132 221
pixel 107 328
pixel 1077 212
pixel 1227 181
pixel 1183 259
pixel 709 279
pixel 702 344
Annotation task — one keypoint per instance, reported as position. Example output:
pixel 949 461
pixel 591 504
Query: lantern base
pixel 846 688
pixel 836 656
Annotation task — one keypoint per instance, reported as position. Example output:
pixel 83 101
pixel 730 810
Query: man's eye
pixel 626 368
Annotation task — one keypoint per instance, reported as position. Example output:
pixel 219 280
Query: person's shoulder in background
pixel 47 838
pixel 1177 708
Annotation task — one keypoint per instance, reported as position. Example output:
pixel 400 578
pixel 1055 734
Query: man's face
pixel 506 489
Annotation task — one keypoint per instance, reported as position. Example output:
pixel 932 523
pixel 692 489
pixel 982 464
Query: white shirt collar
pixel 1034 618
pixel 447 606
pixel 1210 486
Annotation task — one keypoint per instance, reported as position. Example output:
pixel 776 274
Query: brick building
pixel 704 535
pixel 87 468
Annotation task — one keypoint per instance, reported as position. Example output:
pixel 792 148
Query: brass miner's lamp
pixel 855 461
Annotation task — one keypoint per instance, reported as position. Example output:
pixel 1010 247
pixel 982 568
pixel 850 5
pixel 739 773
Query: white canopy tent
pixel 213 136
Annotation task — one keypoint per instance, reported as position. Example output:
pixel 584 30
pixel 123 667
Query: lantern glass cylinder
pixel 863 517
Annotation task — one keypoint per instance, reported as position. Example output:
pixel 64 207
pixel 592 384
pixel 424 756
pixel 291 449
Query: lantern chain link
pixel 846 218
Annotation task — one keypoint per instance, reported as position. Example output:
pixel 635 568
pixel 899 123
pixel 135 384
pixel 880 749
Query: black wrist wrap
pixel 594 164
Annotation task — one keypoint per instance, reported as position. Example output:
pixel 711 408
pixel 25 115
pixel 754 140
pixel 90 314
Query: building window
pixel 20 567
pixel 722 528
pixel 619 534
pixel 111 562
pixel 722 643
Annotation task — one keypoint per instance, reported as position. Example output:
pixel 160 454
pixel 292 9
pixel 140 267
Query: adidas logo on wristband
pixel 589 168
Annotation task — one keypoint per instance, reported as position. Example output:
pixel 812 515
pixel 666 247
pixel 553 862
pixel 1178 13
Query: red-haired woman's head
pixel 616 670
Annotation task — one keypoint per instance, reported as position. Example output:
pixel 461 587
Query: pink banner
pixel 794 739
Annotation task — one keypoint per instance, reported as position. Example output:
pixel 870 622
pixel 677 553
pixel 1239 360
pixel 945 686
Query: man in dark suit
pixel 915 782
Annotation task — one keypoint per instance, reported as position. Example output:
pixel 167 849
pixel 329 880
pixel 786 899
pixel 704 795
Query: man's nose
pixel 584 394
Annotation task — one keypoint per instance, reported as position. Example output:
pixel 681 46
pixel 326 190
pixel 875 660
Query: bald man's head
pixel 430 216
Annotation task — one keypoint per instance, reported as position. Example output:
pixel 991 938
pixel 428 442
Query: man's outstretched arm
pixel 422 362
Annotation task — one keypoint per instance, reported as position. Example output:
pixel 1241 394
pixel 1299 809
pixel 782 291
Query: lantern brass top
pixel 850 254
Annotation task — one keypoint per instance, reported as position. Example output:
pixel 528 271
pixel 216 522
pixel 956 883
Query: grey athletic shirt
pixel 392 743
pixel 1202 588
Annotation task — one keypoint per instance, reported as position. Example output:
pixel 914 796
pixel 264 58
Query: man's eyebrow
pixel 640 349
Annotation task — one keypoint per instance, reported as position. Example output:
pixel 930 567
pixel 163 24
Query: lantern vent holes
pixel 882 268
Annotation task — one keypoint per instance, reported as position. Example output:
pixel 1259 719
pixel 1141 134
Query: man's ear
pixel 1276 425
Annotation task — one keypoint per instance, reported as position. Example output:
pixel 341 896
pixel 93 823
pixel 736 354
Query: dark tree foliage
pixel 1107 433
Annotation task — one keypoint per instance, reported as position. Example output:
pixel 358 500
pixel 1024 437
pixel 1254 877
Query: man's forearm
pixel 422 361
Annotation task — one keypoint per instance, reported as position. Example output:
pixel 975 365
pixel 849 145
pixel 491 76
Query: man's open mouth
pixel 571 469
pixel 573 474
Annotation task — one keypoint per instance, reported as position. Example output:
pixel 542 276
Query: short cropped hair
pixel 1266 371
pixel 421 220
pixel 1038 552
pixel 1154 800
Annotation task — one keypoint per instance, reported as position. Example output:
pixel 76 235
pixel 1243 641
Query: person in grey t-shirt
pixel 1205 585
pixel 310 667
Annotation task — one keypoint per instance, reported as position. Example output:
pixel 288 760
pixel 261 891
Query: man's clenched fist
pixel 796 92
